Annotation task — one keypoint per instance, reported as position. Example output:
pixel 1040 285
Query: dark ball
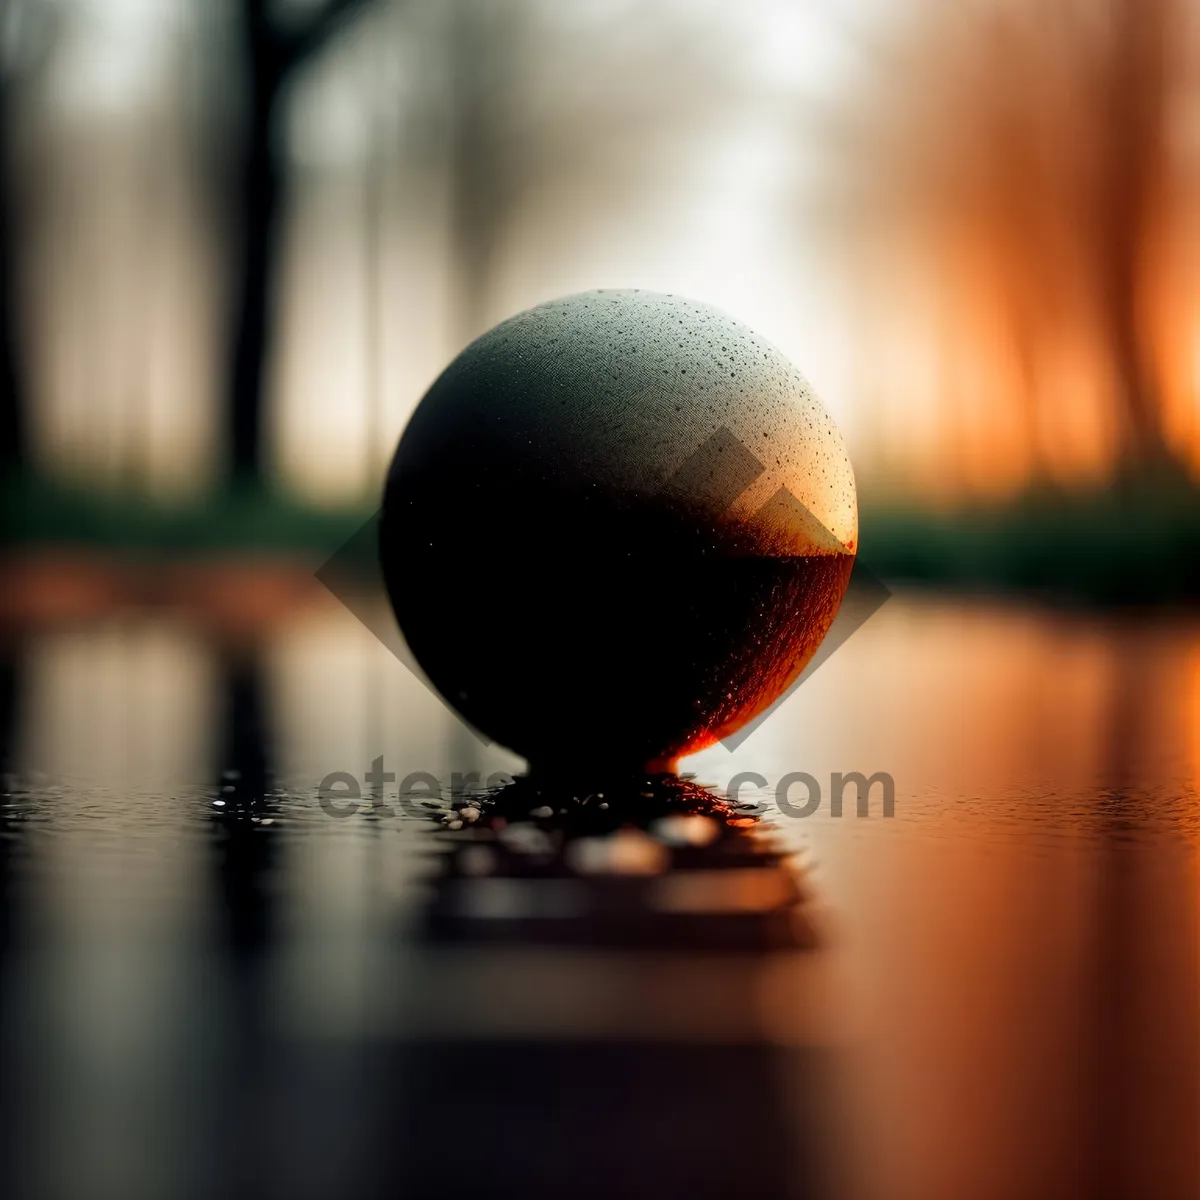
pixel 616 529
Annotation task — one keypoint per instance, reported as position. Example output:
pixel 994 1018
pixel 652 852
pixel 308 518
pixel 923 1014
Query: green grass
pixel 1131 543
pixel 238 521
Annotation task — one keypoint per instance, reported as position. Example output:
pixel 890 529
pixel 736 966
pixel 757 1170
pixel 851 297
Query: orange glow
pixel 1037 170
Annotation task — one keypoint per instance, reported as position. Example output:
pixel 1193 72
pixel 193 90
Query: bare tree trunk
pixel 476 168
pixel 1128 191
pixel 13 446
pixel 260 201
pixel 272 53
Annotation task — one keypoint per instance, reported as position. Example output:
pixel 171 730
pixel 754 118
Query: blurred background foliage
pixel 241 237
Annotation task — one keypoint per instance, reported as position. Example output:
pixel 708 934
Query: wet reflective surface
pixel 212 986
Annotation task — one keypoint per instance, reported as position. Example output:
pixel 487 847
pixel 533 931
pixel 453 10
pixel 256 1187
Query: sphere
pixel 616 529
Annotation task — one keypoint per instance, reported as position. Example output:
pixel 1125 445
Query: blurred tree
pixel 274 48
pixel 486 170
pixel 1021 155
pixel 26 35
pixel 532 104
pixel 1132 85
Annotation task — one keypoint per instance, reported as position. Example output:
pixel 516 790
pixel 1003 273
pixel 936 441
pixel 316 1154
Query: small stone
pixel 693 830
pixel 477 860
pixel 627 852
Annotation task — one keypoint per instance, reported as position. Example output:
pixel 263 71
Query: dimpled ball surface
pixel 616 528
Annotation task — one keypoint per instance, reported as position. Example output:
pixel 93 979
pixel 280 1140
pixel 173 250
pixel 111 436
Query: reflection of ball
pixel 616 528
